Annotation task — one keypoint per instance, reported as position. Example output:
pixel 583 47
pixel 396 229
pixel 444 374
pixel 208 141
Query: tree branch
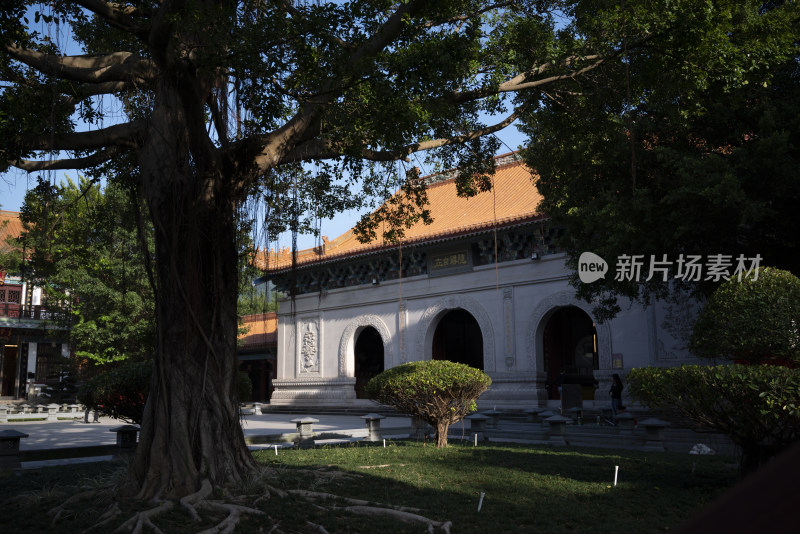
pixel 288 6
pixel 115 67
pixel 115 17
pixel 325 149
pixel 121 135
pixel 107 88
pixel 95 159
pixel 518 82
pixel 462 18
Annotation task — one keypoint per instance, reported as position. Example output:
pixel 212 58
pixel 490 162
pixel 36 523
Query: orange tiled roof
pixel 513 199
pixel 10 226
pixel 262 329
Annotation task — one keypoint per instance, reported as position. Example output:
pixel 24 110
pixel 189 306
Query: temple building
pixel 484 284
pixel 32 342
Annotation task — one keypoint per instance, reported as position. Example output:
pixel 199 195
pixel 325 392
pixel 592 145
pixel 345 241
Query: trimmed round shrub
pixel 756 406
pixel 752 321
pixel 439 392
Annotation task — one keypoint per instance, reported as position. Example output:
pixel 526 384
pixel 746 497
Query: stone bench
pixel 494 416
pixel 373 423
pixel 305 431
pixel 9 448
pixel 126 436
pixel 558 428
pixel 477 424
pixel 533 414
pixel 654 434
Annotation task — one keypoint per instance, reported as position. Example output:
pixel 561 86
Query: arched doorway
pixel 570 351
pixel 368 358
pixel 458 338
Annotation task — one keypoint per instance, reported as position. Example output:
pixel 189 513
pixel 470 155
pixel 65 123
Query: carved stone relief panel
pixel 308 347
pixel 508 326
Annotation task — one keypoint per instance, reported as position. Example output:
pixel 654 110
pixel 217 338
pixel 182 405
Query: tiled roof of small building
pixel 262 330
pixel 10 225
pixel 513 199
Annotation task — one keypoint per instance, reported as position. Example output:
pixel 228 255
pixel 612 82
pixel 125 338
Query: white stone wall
pixel 511 303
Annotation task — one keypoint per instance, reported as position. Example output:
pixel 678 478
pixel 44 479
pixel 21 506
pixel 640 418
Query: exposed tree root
pixel 108 516
pixel 200 508
pixel 319 528
pixel 317 495
pixel 188 502
pixel 406 517
pixel 328 474
pixel 136 524
pixel 58 511
pixel 227 525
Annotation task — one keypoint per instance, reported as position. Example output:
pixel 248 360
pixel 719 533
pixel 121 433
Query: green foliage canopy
pixel 755 406
pixel 755 320
pixel 86 254
pixel 687 146
pixel 439 392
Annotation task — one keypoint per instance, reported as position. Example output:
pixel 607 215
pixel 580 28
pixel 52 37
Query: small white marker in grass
pixel 616 471
pixel 384 443
pixel 476 439
pixel 276 450
pixel 480 502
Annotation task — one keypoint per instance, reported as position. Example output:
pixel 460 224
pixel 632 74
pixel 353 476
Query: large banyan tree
pixel 204 104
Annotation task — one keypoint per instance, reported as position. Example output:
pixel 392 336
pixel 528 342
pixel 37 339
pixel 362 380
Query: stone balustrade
pixel 48 412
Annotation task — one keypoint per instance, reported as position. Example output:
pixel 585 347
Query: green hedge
pixel 119 391
pixel 757 407
pixel 440 392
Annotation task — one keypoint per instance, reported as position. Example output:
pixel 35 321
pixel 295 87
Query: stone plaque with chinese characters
pixel 452 261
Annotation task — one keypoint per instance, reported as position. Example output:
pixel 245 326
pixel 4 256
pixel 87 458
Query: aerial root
pixel 318 495
pixel 400 515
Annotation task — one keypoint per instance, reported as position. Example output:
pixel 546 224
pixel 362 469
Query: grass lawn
pixel 527 489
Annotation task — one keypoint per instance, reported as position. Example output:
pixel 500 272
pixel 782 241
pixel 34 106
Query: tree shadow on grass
pixel 536 489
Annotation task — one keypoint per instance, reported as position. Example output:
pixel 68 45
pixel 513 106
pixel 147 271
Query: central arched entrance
pixel 458 338
pixel 570 351
pixel 368 358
